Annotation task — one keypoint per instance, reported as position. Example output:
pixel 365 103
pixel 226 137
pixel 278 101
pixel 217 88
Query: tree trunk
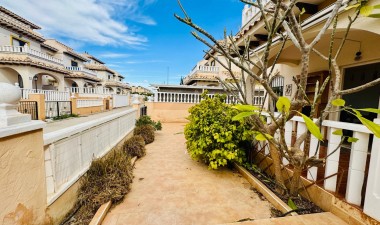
pixel 276 157
pixel 294 184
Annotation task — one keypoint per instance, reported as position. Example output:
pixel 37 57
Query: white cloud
pixel 114 55
pixel 92 21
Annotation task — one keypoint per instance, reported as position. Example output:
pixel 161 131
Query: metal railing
pixel 26 50
pixel 29 107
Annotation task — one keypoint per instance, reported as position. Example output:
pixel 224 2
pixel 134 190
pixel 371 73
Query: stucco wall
pixel 22 183
pixel 169 112
pixel 60 207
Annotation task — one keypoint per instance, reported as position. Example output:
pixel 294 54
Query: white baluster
pixel 356 169
pixel 332 162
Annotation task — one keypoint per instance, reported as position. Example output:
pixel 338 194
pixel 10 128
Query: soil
pixel 304 206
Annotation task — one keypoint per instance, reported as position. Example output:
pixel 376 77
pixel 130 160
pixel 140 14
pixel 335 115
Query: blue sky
pixel 141 39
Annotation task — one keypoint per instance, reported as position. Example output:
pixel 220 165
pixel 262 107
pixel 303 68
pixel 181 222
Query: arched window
pixel 277 85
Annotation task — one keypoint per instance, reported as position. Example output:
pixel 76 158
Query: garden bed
pixel 303 206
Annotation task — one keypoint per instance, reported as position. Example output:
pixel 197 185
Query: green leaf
pixel 376 6
pixel 338 132
pixel 302 11
pixel 377 111
pixel 352 139
pixel 356 112
pixel 375 15
pixel 245 108
pixel 338 102
pixel 366 10
pixel 352 6
pixel 291 204
pixel 375 128
pixel 242 115
pixel 312 127
pixel 261 137
pixel 283 103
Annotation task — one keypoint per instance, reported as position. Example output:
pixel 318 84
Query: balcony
pixel 208 73
pixel 81 69
pixel 25 50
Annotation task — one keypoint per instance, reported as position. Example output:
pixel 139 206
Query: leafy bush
pixel 65 116
pixel 108 179
pixel 211 134
pixel 146 131
pixel 158 125
pixel 135 146
pixel 146 120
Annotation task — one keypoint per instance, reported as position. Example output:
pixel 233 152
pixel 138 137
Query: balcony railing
pixel 205 69
pixel 86 90
pixel 186 97
pixel 49 94
pixel 80 69
pixel 28 51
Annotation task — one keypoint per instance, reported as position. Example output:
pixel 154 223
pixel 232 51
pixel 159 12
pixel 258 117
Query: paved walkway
pixel 57 125
pixel 169 188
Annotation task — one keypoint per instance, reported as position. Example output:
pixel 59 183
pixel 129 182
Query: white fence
pixel 49 95
pixel 357 152
pixel 83 103
pixel 120 100
pixel 186 97
pixel 26 50
pixel 87 90
pixel 69 152
pixel 81 69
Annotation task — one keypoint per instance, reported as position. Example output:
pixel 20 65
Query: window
pixel 212 63
pixel 73 63
pixel 18 43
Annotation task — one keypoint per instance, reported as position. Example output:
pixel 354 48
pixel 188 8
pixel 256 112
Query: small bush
pixel 135 146
pixel 108 179
pixel 146 120
pixel 158 125
pixel 146 131
pixel 212 136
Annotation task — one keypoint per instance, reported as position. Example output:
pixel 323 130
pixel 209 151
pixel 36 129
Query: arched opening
pixel 118 91
pixel 45 82
pixel 11 76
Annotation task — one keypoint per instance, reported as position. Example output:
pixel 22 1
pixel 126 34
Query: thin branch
pixel 359 88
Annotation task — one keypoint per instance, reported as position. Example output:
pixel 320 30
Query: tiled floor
pixel 170 188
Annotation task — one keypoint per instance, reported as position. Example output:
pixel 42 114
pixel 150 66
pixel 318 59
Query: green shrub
pixel 146 131
pixel 146 120
pixel 158 125
pixel 211 134
pixel 135 146
pixel 108 179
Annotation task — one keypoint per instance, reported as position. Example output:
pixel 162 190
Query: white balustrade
pixel 83 103
pixel 49 94
pixel 186 97
pixel 120 100
pixel 26 50
pixel 70 151
pixel 81 69
pixel 357 163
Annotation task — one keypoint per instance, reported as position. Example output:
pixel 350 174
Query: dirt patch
pixel 303 205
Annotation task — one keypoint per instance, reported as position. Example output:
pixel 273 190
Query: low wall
pixel 169 112
pixel 64 203
pixel 22 172
pixel 70 151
